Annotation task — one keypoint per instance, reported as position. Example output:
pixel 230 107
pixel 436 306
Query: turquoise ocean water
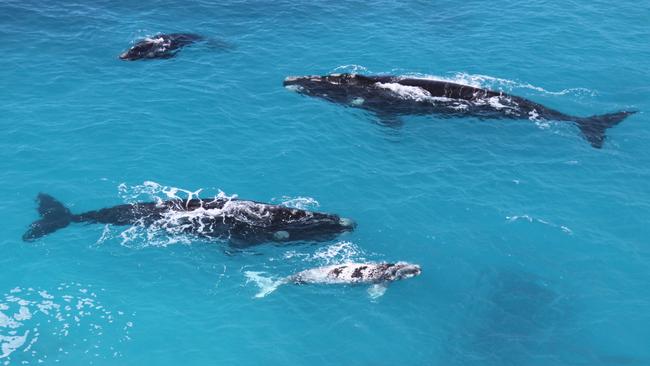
pixel 535 247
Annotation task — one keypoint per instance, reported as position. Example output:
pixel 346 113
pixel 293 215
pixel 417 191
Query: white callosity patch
pixel 26 315
pixel 294 88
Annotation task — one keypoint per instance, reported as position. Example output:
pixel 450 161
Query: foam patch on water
pixel 351 69
pixel 528 218
pixel 337 253
pixel 376 291
pixel 73 311
pixel 152 191
pixel 301 203
pixel 265 284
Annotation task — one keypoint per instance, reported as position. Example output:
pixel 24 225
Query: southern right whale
pixel 392 96
pixel 378 275
pixel 235 220
pixel 159 46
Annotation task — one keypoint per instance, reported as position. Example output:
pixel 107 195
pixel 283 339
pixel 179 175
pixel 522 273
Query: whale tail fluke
pixel 266 284
pixel 593 128
pixel 53 214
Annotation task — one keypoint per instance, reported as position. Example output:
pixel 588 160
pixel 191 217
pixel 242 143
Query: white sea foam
pixel 532 219
pixel 26 314
pixel 422 95
pixel 172 227
pixel 340 252
pixel 351 69
pixel 302 203
pixel 266 284
pixel 180 226
pixel 376 291
pixel 407 91
pixel 495 83
pixel 9 344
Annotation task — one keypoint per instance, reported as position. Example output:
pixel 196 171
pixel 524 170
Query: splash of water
pixel 71 310
pixel 301 203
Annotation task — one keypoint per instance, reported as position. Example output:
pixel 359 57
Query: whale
pixel 238 221
pixel 378 275
pixel 159 46
pixel 390 97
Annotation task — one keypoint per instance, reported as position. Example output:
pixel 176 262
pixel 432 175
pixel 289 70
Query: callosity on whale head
pixel 401 271
pixel 315 226
pixel 147 48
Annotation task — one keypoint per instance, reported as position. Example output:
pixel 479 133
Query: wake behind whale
pixel 392 96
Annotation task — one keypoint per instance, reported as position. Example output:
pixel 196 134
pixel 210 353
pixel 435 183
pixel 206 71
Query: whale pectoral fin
pixel 377 290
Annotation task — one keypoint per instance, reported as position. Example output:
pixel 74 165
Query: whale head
pixel 147 48
pixel 311 226
pixel 336 88
pixel 142 49
pixel 401 271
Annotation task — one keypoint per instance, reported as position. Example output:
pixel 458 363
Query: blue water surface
pixel 535 247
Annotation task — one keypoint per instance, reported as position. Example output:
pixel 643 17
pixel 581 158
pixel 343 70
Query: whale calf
pixel 379 275
pixel 159 46
pixel 239 221
pixel 392 96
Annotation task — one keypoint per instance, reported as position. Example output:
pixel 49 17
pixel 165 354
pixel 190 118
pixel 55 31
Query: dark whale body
pixel 392 96
pixel 240 222
pixel 159 46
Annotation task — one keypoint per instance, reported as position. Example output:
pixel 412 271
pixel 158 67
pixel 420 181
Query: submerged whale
pixel 159 46
pixel 239 221
pixel 392 96
pixel 379 275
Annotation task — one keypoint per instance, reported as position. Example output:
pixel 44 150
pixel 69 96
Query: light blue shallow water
pixel 534 245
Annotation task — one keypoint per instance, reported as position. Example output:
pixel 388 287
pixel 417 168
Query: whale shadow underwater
pixel 390 97
pixel 511 318
pixel 239 222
